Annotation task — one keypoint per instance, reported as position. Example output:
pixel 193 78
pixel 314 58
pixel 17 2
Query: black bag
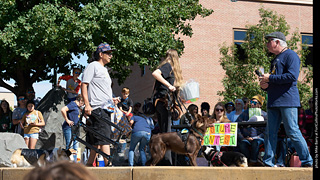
pixel 148 106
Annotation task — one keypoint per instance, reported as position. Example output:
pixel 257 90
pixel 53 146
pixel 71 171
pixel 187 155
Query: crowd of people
pixel 100 102
pixel 24 119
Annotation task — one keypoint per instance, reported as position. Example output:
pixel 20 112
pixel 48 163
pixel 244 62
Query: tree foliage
pixel 40 35
pixel 241 80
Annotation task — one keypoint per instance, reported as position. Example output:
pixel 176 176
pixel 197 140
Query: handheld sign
pixel 221 134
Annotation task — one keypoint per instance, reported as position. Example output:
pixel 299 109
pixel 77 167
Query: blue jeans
pixel 68 135
pixel 142 137
pixel 289 116
pixel 244 146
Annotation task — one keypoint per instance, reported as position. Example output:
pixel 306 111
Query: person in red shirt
pixel 73 84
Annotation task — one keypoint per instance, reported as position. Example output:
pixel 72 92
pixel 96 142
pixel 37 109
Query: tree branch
pixel 7 86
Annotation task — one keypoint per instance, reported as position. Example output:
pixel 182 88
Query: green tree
pixel 241 80
pixel 40 35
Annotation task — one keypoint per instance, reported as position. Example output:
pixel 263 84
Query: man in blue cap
pixel 283 99
pixel 97 96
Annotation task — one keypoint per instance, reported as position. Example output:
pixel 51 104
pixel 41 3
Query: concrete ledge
pixel 14 173
pixel 220 173
pixel 181 173
pixel 117 173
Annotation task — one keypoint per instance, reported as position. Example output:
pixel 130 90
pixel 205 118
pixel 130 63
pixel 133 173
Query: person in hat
pixel 250 139
pixel 205 109
pixel 283 99
pixel 229 108
pixel 32 121
pixel 97 96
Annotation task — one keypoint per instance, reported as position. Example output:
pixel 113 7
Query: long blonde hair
pixel 172 57
pixel 223 118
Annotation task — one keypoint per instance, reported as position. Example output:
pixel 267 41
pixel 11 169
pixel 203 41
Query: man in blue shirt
pixel 283 99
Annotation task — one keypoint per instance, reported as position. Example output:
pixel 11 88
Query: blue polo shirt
pixel 73 114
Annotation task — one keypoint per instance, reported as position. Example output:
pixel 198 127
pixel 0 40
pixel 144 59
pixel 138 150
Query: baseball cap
pixel 229 104
pixel 278 35
pixel 104 47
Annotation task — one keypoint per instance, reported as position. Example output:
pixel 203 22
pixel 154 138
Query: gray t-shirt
pixel 99 88
pixel 18 113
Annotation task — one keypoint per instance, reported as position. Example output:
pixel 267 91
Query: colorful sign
pixel 221 134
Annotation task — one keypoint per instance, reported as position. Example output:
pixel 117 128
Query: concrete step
pixel 181 173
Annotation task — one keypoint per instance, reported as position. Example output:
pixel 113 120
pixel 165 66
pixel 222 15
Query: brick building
pixel 8 96
pixel 200 60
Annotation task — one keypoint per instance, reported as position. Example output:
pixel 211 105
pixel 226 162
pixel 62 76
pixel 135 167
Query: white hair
pixel 282 42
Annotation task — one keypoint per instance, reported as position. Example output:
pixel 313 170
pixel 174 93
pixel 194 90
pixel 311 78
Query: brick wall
pixel 200 60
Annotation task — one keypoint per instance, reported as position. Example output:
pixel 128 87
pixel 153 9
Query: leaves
pixel 38 35
pixel 240 80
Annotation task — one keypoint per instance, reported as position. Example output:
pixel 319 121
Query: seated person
pixel 238 110
pixel 219 113
pixel 126 103
pixel 252 137
pixel 205 109
pixel 229 108
pixel 73 84
pixel 193 110
pixel 219 116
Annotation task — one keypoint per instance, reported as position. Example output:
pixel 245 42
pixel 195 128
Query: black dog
pixel 228 158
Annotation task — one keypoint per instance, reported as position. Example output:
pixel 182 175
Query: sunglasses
pixel 254 102
pixel 219 110
pixel 20 99
pixel 107 52
pixel 30 92
pixel 77 73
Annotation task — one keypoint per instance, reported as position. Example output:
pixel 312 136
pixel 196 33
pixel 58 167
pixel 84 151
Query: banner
pixel 221 134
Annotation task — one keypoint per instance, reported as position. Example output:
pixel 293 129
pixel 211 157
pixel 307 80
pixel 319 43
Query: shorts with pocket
pixel 33 135
pixel 100 123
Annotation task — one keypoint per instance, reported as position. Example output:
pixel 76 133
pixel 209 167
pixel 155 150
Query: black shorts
pixel 100 125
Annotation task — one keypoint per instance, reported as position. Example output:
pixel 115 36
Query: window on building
pixel 307 43
pixel 239 38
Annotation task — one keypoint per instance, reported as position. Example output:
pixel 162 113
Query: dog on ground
pixel 38 157
pixel 160 143
pixel 227 158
